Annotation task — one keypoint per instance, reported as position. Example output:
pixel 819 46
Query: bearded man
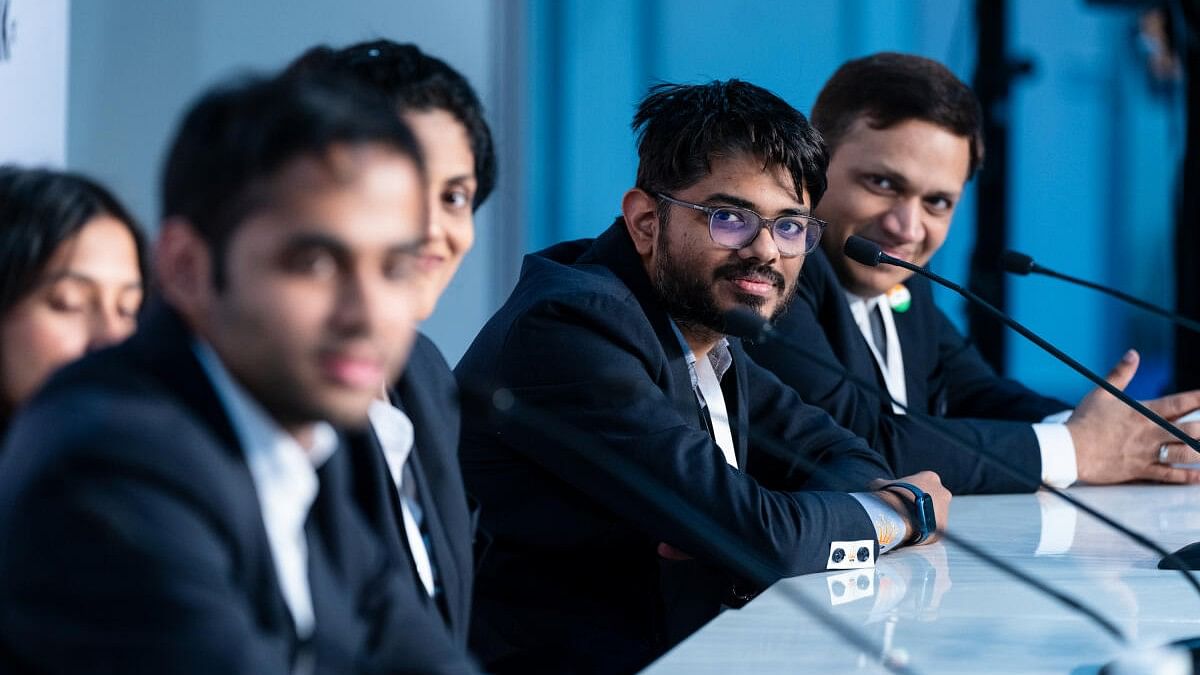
pixel 618 441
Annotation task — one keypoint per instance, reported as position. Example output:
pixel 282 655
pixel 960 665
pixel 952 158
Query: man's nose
pixel 762 247
pixel 903 220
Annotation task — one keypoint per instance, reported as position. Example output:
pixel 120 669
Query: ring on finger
pixel 1162 454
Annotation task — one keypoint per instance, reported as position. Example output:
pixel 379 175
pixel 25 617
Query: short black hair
pixel 416 82
pixel 39 210
pixel 240 134
pixel 889 88
pixel 681 127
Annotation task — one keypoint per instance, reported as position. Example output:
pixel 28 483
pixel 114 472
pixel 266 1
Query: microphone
pixel 868 253
pixel 1018 263
pixel 1023 265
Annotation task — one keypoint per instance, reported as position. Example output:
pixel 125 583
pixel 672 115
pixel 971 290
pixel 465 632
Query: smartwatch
pixel 923 516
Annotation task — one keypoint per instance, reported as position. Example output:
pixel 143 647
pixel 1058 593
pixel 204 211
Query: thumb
pixel 1122 373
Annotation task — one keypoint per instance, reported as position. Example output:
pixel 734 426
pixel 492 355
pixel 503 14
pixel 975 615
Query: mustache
pixel 738 269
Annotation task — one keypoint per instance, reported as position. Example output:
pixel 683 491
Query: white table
pixel 949 612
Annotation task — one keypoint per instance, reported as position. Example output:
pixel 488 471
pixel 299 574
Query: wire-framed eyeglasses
pixel 734 227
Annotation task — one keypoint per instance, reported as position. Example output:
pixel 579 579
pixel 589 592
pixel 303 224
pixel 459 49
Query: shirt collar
pixel 868 303
pixel 719 356
pixel 395 432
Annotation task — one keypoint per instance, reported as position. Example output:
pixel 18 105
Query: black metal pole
pixel 994 75
pixel 1187 222
pixel 991 207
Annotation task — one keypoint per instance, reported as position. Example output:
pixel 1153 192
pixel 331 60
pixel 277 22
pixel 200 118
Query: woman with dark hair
pixel 441 108
pixel 419 504
pixel 72 261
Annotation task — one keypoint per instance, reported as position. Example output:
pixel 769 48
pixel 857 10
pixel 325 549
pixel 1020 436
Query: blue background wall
pixel 1093 156
pixel 1092 163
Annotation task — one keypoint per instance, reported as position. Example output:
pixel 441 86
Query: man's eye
pixel 940 204
pixel 311 263
pixel 789 228
pixel 881 182
pixel 728 217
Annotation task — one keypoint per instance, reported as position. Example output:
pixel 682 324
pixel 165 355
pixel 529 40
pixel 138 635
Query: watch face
pixel 925 515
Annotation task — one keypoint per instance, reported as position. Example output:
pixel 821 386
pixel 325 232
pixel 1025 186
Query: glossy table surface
pixel 940 610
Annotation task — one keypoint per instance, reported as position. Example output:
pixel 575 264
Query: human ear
pixel 641 219
pixel 183 266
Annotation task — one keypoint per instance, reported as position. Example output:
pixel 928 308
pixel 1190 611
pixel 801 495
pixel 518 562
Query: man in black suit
pixel 183 503
pixel 904 136
pixel 632 465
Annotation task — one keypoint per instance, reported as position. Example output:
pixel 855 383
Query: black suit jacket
pixel 950 386
pixel 133 540
pixel 428 394
pixel 585 446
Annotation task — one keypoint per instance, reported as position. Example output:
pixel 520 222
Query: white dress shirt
pixel 285 481
pixel 395 433
pixel 1054 440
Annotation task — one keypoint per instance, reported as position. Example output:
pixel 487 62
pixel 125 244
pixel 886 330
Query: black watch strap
pixel 923 517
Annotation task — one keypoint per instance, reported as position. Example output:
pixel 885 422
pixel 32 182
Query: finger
pixel 1176 405
pixel 1191 429
pixel 1166 474
pixel 1123 372
pixel 1178 453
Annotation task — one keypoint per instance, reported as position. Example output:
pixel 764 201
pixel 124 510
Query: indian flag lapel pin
pixel 899 298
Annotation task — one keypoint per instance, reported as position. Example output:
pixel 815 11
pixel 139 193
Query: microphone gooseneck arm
pixel 1023 265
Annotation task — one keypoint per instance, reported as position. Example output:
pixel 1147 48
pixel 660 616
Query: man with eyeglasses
pixel 905 136
pixel 633 466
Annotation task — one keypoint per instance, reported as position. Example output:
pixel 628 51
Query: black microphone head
pixel 863 251
pixel 1016 263
pixel 747 324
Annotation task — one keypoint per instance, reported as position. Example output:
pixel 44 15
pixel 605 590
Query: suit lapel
pixel 735 400
pixel 441 494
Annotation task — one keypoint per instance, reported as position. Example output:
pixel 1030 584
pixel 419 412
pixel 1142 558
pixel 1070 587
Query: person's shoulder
pixel 426 376
pixel 426 358
pixel 107 413
pixel 545 279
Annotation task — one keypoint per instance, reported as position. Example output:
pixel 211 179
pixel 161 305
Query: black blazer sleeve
pixel 804 357
pixel 580 394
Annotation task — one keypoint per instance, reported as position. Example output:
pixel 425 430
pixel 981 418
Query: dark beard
pixel 689 298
